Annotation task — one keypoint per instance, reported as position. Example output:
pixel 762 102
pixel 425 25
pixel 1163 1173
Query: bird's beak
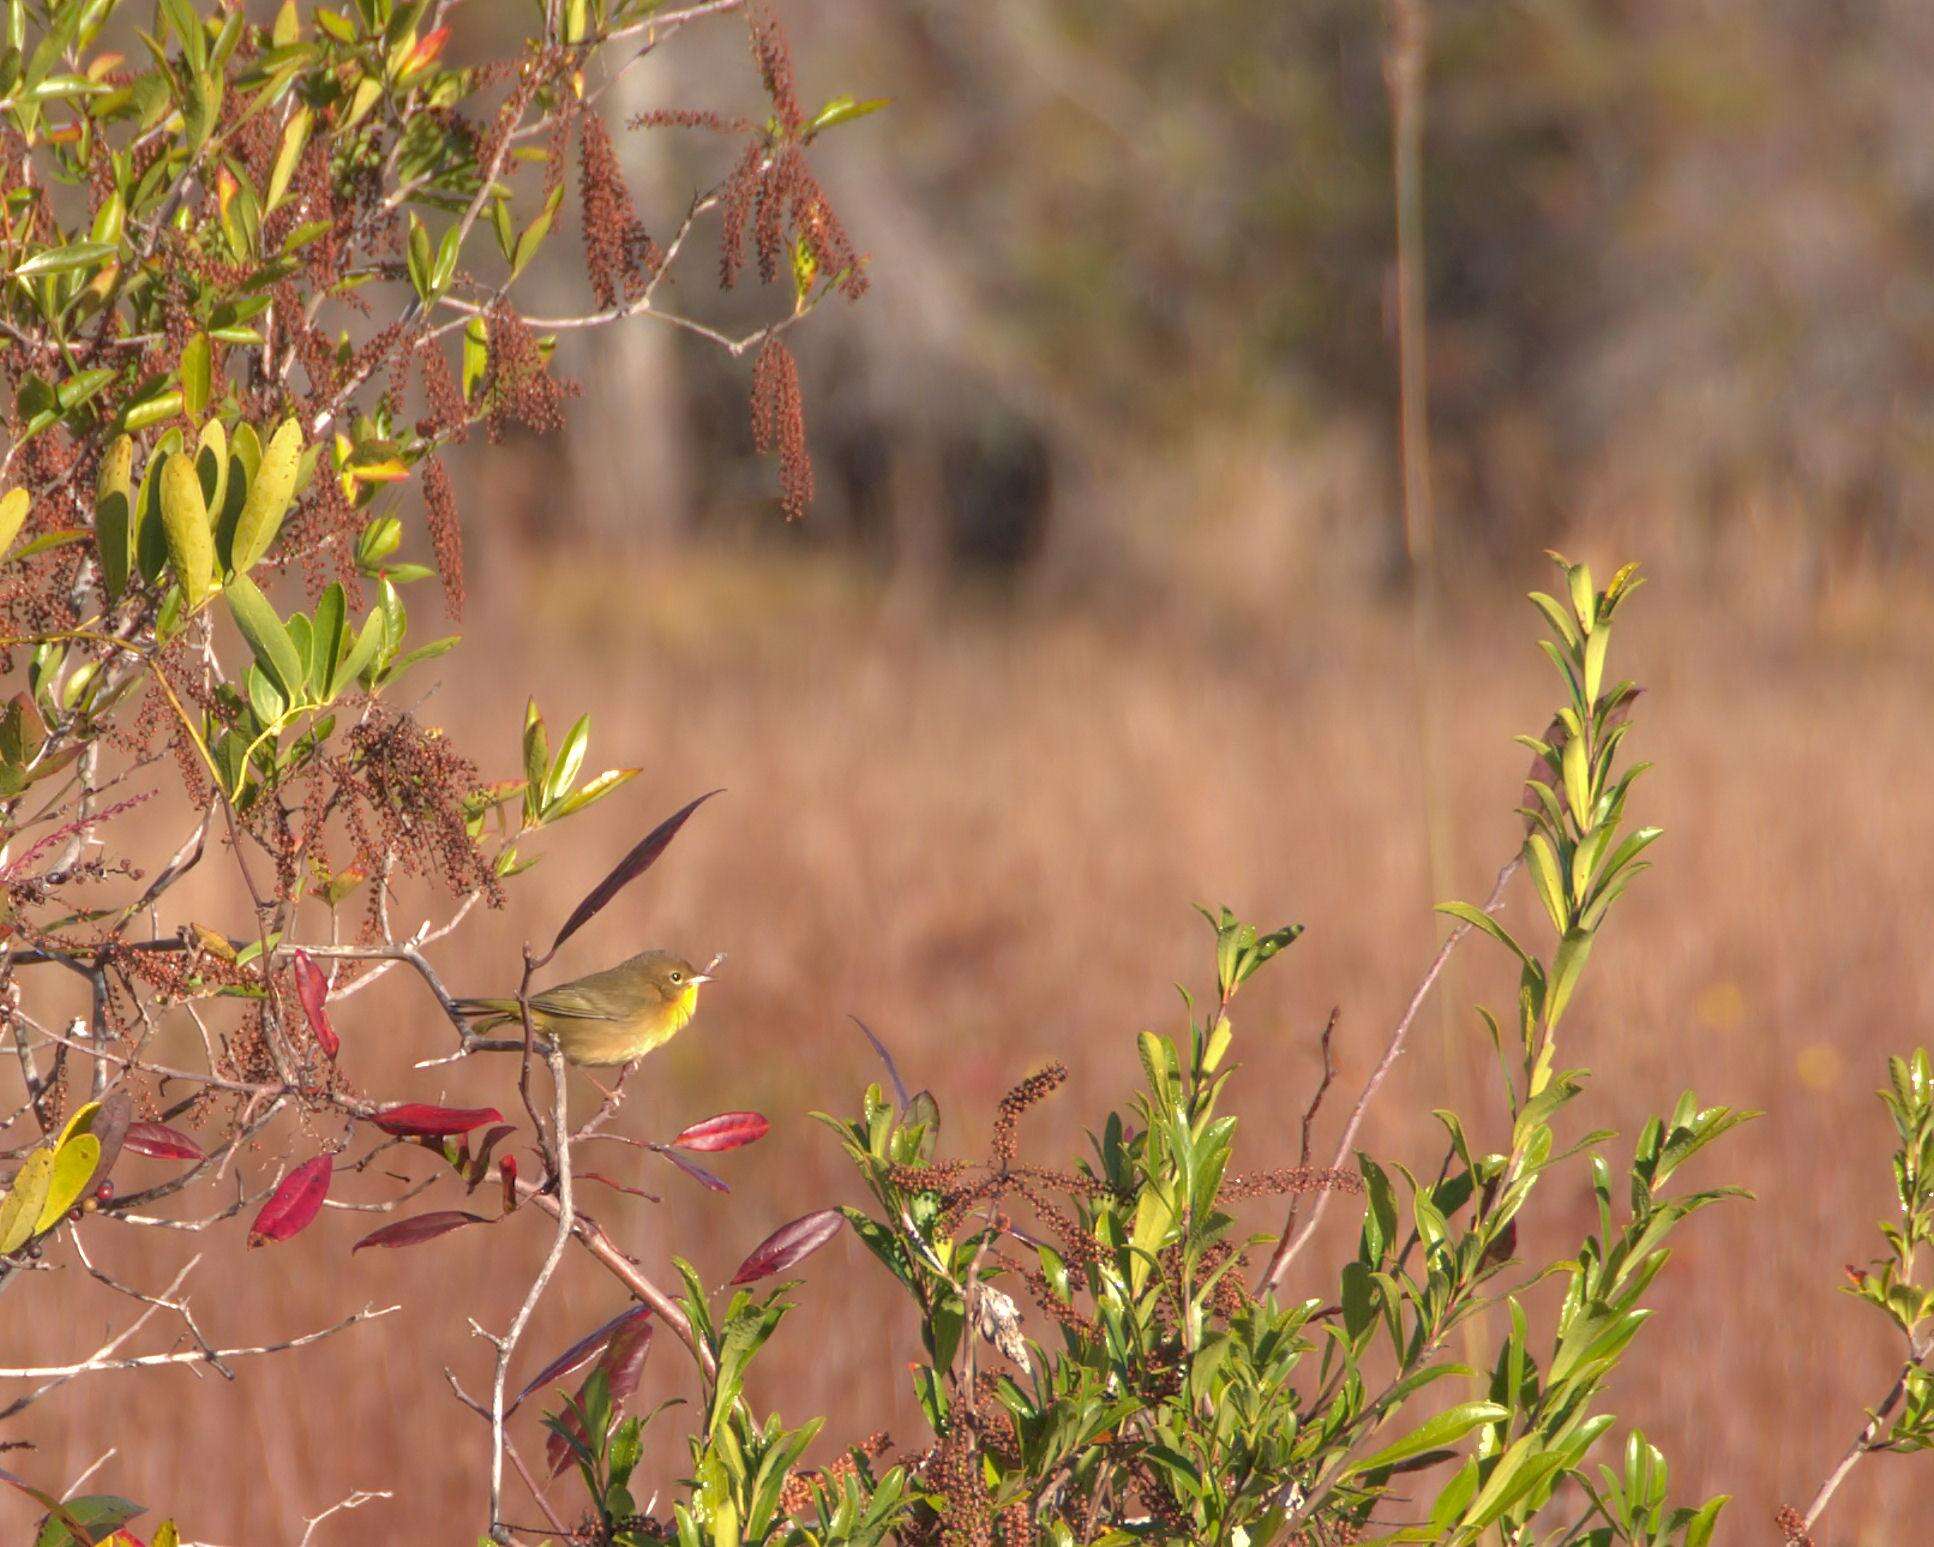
pixel 699 977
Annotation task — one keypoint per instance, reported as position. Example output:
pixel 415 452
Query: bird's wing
pixel 579 1001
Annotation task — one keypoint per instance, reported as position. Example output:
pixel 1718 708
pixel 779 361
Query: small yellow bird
pixel 611 1017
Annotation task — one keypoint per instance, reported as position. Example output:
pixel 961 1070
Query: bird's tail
pixel 489 1013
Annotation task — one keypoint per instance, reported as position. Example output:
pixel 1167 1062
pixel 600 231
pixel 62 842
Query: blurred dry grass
pixel 979 824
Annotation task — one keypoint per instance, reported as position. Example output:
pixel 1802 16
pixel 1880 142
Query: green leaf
pixel 58 260
pixel 368 640
pixel 267 637
pixel 1477 918
pixel 196 372
pixel 1565 967
pixel 100 1515
pixel 326 646
pixel 1446 1427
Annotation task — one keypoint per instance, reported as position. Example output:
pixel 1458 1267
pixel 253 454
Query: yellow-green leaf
pixel 184 522
pixel 1544 872
pixel 79 1123
pixel 197 369
pixel 1577 781
pixel 20 1209
pixel 113 515
pixel 74 1164
pixel 295 135
pixel 14 505
pixel 269 492
pixel 211 465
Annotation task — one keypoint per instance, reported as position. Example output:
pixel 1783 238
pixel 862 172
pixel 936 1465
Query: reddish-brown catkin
pixel 779 425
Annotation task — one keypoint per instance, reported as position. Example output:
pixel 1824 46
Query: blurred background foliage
pixel 1132 270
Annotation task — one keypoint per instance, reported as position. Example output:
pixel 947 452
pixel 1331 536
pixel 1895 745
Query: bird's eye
pixel 678 977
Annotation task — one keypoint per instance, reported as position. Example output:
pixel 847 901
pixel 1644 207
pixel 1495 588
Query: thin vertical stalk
pixel 1404 64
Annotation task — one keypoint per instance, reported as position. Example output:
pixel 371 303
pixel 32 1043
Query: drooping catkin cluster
pixel 519 387
pixel 779 425
pixel 620 258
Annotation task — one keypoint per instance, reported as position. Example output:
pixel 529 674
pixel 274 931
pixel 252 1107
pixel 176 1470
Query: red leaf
pixel 628 869
pixel 161 1142
pixel 727 1131
pixel 636 1192
pixel 296 1202
pixel 312 988
pixel 419 1228
pixel 415 1120
pixel 789 1245
pixel 623 1363
pixel 692 1169
pixel 583 1350
pixel 507 1169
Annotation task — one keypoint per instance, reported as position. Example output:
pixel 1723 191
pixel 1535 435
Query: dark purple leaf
pixel 295 1203
pixel 628 869
pixel 583 1351
pixel 420 1228
pixel 110 1127
pixel 892 1069
pixel 693 1169
pixel 789 1245
pixel 312 988
pixel 415 1120
pixel 160 1142
pixel 727 1131
pixel 623 1363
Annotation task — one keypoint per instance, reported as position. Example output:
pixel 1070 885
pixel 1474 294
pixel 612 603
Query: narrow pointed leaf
pixel 727 1131
pixel 160 1142
pixel 789 1245
pixel 693 1169
pixel 583 1351
pixel 420 1228
pixel 628 869
pixel 416 1120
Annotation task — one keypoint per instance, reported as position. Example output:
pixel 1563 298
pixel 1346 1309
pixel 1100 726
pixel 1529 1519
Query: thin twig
pixel 1868 1440
pixel 1292 1241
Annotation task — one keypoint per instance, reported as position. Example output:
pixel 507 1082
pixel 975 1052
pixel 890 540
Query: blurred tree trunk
pixel 625 453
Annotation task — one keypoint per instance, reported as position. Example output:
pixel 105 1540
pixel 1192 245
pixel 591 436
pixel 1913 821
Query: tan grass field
pixel 982 832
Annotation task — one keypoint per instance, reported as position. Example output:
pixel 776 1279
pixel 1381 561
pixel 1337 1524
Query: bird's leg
pixel 614 1096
